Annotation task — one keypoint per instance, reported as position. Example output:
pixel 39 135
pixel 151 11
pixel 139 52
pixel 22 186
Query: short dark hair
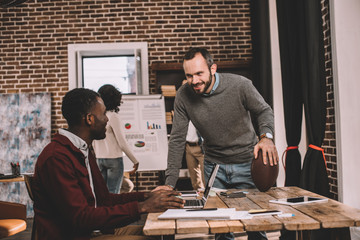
pixel 77 103
pixel 190 54
pixel 111 97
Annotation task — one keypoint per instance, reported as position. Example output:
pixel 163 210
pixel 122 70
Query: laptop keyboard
pixel 193 202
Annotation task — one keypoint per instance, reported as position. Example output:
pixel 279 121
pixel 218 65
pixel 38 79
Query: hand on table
pixel 162 187
pixel 159 201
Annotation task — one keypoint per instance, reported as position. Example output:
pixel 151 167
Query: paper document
pixel 218 214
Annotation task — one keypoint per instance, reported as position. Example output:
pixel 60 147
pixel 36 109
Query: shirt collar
pixel 75 140
pixel 216 84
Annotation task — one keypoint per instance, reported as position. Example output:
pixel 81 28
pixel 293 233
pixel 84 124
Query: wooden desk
pixel 18 179
pixel 331 215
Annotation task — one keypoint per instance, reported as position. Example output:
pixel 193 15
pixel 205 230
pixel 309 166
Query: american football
pixel 264 176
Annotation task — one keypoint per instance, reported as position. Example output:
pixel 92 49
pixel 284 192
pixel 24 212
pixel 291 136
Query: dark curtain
pixel 303 73
pixel 303 77
pixel 314 173
pixel 289 41
pixel 261 63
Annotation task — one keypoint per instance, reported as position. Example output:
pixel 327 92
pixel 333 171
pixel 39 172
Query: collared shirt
pixel 83 147
pixel 192 135
pixel 216 84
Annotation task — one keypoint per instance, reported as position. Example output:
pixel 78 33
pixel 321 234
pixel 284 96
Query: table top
pixel 331 214
pixel 17 179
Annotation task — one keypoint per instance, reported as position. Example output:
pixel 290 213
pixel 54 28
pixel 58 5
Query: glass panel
pixel 116 70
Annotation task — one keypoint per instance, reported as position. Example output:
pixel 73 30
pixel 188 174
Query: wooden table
pixel 17 179
pixel 332 215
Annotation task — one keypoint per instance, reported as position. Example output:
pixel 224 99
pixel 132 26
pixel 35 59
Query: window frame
pixel 138 49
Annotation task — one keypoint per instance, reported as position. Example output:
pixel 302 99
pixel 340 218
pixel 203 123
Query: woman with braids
pixel 109 151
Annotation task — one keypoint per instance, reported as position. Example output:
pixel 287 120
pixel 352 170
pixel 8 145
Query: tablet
pixel 299 200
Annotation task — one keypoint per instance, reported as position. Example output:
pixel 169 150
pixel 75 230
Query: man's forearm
pixel 171 176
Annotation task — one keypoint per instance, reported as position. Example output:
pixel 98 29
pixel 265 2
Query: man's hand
pixel 135 168
pixel 161 200
pixel 268 149
pixel 162 187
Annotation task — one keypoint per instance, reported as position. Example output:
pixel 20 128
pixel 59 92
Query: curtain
pixel 314 175
pixel 304 84
pixel 289 41
pixel 261 63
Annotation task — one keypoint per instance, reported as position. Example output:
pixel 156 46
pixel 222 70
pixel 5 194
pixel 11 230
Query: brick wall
pixel 329 143
pixel 34 38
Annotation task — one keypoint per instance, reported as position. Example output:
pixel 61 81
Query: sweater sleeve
pixel 119 136
pixel 259 109
pixel 176 142
pixel 64 189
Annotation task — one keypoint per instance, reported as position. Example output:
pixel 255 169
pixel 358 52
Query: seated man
pixel 71 199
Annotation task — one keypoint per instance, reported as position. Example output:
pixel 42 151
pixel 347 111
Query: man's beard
pixel 206 86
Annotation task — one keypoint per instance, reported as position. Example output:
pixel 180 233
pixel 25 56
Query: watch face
pixel 269 135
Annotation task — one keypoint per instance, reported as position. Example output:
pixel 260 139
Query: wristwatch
pixel 266 135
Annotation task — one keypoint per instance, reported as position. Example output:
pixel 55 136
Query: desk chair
pixel 12 218
pixel 28 182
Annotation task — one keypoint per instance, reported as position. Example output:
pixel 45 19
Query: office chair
pixel 12 218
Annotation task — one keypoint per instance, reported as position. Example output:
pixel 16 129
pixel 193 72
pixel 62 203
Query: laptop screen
pixel 210 181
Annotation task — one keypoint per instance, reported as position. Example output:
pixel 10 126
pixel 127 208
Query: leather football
pixel 264 176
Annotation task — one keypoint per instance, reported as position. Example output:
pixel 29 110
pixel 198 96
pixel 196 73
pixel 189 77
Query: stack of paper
pixel 218 214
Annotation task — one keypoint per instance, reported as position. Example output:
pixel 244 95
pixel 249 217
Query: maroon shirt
pixel 63 201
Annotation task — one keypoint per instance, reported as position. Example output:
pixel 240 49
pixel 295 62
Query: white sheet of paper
pixel 219 214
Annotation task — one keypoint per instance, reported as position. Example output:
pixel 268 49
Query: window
pixel 123 65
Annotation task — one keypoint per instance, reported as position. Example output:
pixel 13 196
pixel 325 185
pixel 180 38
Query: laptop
pixel 200 203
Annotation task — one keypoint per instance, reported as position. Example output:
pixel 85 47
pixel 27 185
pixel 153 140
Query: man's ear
pixel 213 69
pixel 89 119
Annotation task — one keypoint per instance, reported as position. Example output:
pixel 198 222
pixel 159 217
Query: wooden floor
pixel 26 235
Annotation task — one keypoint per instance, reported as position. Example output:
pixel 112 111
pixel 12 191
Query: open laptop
pixel 200 203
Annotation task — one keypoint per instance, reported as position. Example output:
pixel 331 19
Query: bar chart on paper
pixel 152 125
pixel 144 127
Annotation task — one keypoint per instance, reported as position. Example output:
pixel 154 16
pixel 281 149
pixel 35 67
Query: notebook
pixel 200 203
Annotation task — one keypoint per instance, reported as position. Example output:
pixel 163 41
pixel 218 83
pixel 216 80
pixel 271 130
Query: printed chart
pixel 144 124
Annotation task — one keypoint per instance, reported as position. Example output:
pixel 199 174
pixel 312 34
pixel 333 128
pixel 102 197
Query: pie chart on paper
pixel 139 144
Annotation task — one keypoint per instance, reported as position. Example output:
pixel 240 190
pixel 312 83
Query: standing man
pixel 71 199
pixel 194 157
pixel 219 106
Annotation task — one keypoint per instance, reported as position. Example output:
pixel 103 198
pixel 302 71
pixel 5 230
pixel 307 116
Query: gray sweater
pixel 223 120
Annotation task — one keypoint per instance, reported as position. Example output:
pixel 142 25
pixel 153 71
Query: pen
pixel 259 211
pixel 286 215
pixel 202 209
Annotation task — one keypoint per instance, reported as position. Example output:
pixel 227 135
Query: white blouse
pixel 114 145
